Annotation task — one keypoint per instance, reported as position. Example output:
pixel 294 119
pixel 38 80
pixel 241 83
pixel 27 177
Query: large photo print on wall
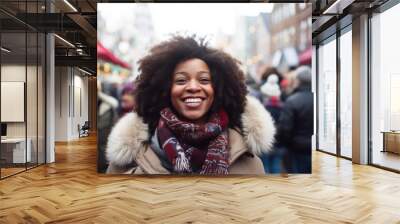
pixel 204 89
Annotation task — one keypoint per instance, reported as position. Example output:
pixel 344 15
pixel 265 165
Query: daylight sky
pixel 199 18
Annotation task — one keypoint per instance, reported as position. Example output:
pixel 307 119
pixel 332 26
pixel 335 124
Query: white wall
pixel 62 81
pixel 81 84
pixel 71 94
pixel 85 99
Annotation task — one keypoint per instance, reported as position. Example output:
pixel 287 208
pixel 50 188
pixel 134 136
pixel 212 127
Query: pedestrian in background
pixel 253 88
pixel 127 100
pixel 106 116
pixel 271 92
pixel 270 71
pixel 288 84
pixel 295 126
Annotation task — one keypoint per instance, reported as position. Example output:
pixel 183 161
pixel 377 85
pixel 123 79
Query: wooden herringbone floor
pixel 70 191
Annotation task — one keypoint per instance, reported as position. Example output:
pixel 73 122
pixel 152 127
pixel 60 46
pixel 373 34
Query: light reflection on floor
pixel 386 159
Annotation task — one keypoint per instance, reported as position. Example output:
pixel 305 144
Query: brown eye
pixel 180 81
pixel 205 80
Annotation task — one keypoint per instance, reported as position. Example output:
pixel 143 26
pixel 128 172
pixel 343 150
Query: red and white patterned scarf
pixel 193 148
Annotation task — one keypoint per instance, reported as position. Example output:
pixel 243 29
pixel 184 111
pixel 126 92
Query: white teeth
pixel 192 100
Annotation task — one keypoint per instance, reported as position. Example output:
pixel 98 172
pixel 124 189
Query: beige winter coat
pixel 128 155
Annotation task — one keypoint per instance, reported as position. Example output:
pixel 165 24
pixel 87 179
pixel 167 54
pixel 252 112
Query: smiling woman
pixel 192 116
pixel 192 93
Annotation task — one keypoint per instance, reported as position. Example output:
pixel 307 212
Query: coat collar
pixel 125 143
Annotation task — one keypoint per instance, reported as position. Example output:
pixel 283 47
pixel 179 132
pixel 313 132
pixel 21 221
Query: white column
pixel 50 100
pixel 50 92
pixel 360 90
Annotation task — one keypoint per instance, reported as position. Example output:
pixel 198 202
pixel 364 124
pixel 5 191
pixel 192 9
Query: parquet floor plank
pixel 70 191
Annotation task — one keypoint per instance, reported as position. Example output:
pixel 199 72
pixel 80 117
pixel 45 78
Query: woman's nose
pixel 193 85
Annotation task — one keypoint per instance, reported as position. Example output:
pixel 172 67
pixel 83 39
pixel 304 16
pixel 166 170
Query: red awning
pixel 305 58
pixel 106 55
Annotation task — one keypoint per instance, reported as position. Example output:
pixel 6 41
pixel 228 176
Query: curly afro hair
pixel 156 72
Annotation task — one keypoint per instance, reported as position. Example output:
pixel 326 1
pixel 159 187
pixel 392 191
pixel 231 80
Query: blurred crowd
pixel 287 96
pixel 289 100
pixel 114 100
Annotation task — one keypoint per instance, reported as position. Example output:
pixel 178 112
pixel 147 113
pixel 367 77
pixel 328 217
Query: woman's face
pixel 192 93
pixel 127 101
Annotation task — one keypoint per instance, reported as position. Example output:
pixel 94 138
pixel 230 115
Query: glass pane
pixel 385 89
pixel 327 97
pixel 346 94
pixel 31 85
pixel 13 86
pixel 31 97
pixel 41 98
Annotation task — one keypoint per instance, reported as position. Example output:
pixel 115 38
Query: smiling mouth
pixel 193 101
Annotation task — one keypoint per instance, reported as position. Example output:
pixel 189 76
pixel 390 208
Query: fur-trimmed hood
pixel 127 137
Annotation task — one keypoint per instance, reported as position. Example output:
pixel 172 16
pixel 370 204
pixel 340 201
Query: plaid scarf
pixel 193 148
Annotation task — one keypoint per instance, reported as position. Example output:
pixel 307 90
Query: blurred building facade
pixel 275 39
pixel 290 31
pixel 251 44
pixel 290 26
